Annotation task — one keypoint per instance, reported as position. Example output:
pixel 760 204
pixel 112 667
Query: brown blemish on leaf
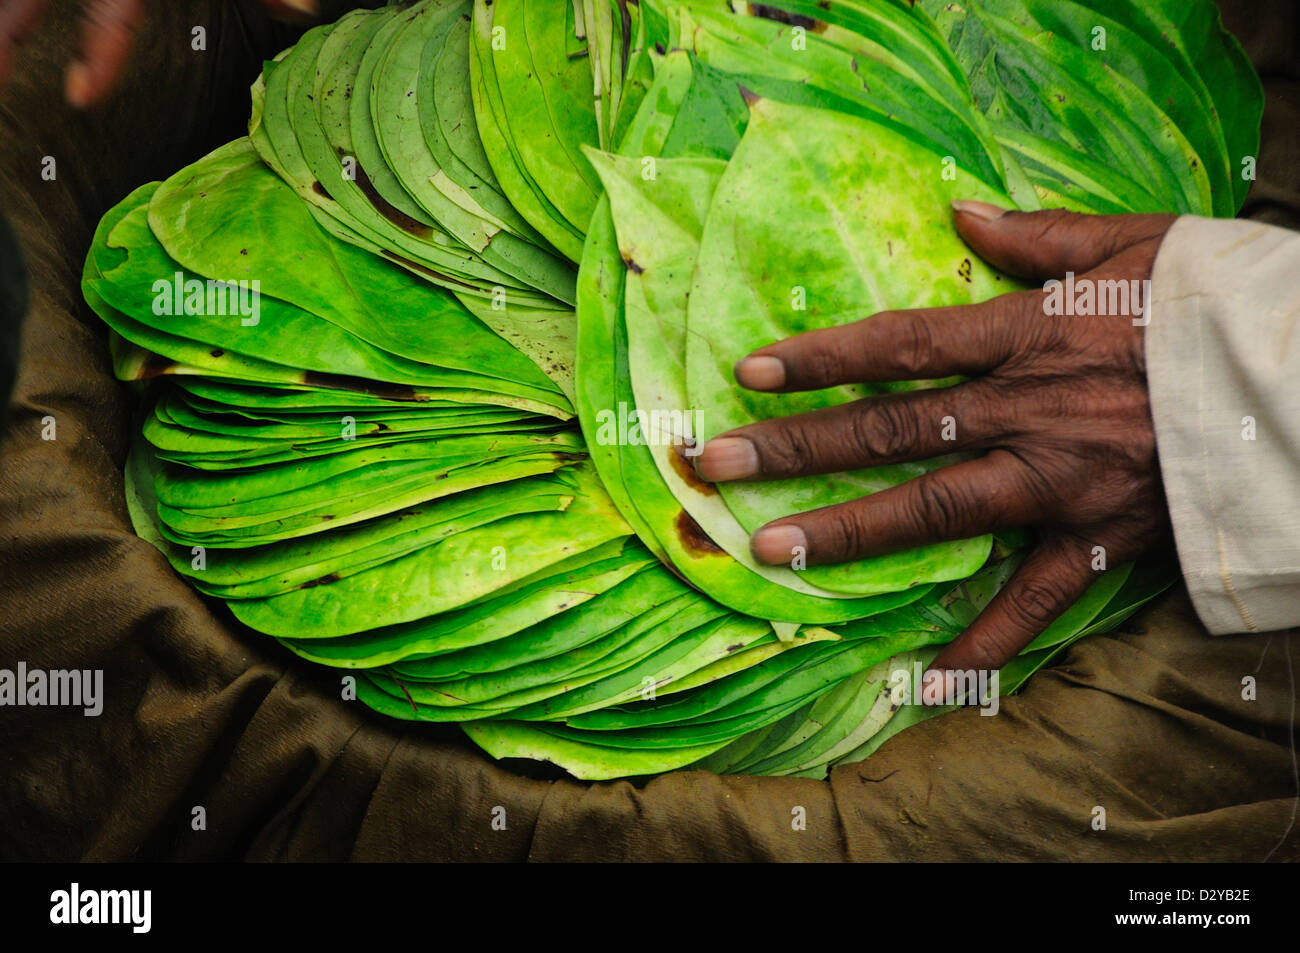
pixel 360 385
pixel 320 190
pixel 424 270
pixel 767 12
pixel 382 206
pixel 155 365
pixel 632 266
pixel 415 708
pixel 625 22
pixel 687 472
pixel 693 536
pixel 322 581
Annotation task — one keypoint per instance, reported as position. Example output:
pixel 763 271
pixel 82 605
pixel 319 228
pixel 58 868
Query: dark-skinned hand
pixel 108 30
pixel 1058 404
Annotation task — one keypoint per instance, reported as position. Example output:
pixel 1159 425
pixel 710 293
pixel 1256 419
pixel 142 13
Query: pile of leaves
pixel 407 347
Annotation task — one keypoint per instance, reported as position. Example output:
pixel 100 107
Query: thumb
pixel 1047 244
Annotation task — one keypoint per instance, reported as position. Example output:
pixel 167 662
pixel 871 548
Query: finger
pixel 957 502
pixel 1053 577
pixel 18 18
pixel 292 9
pixel 1047 244
pixel 893 346
pixel 107 37
pixel 872 432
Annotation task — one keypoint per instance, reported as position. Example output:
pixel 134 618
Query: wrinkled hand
pixel 107 36
pixel 1058 402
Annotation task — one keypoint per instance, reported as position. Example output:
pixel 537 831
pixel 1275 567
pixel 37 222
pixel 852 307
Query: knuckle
pixel 1050 223
pixel 941 510
pixel 1119 233
pixel 883 430
pixel 1123 232
pixel 787 448
pixel 1036 603
pixel 915 345
pixel 1109 235
pixel 1048 478
pixel 821 364
pixel 844 533
pixel 1033 329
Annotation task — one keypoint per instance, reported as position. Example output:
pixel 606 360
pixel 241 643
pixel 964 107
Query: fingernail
pixel 310 7
pixel 727 458
pixel 777 545
pixel 761 373
pixel 76 87
pixel 981 210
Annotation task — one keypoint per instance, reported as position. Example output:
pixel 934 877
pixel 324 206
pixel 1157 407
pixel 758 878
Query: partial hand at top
pixel 107 38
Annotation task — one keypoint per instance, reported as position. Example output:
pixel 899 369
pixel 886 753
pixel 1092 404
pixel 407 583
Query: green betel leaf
pixel 516 609
pixel 648 588
pixel 397 90
pixel 377 467
pixel 153 290
pixel 758 281
pixel 512 140
pixel 480 561
pixel 699 535
pixel 207 217
pixel 512 739
pixel 1190 34
pixel 1184 99
pixel 500 150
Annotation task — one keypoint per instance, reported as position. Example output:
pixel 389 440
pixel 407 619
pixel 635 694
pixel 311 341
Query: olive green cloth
pixel 1149 724
pixel 13 305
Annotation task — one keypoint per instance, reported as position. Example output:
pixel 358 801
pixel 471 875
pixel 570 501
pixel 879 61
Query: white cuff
pixel 1223 366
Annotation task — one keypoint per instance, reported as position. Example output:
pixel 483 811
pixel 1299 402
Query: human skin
pixel 1058 405
pixel 108 30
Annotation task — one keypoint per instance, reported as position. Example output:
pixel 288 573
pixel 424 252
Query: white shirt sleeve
pixel 1223 365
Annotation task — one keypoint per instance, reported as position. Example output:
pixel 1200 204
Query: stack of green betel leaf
pixel 426 353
